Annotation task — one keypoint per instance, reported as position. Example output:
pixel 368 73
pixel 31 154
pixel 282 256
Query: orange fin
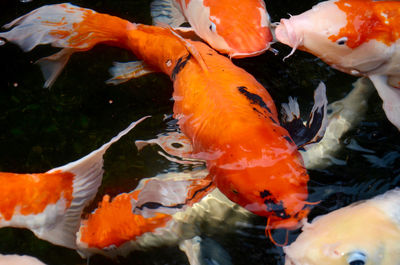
pixel 53 204
pixel 65 26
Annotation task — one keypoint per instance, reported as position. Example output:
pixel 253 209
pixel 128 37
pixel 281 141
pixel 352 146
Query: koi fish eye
pixel 342 41
pixel 356 258
pixel 213 27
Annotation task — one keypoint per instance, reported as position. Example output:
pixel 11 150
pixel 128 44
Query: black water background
pixel 41 129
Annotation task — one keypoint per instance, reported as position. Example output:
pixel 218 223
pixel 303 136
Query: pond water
pixel 41 129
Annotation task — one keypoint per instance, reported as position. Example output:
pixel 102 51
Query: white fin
pixel 123 72
pixel 201 251
pixel 88 173
pixel 164 11
pixel 170 195
pixel 52 65
pixel 291 110
pixel 320 109
pixel 344 115
pixel 390 97
pixel 177 147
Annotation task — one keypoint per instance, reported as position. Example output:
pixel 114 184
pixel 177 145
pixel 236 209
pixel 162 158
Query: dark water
pixel 41 129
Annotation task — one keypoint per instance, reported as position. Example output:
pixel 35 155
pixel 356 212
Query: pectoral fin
pixel 164 11
pixel 170 195
pixel 390 97
pixel 177 147
pixel 123 72
pixel 315 127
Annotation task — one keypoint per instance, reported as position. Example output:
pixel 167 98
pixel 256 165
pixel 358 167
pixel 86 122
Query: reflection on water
pixel 42 129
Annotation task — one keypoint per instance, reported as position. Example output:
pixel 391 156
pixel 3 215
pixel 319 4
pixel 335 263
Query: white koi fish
pixel 363 233
pixel 19 260
pixel 359 37
pixel 235 27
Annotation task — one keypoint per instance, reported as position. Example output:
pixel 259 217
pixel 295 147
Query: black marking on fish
pixel 276 208
pixel 180 64
pixel 265 193
pixel 272 119
pixel 156 205
pixel 287 138
pixel 254 98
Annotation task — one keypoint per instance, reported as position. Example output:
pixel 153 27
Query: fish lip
pixel 248 54
pixel 286 34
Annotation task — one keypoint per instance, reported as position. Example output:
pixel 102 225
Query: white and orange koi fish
pixel 239 28
pixel 363 233
pixel 359 37
pixel 50 204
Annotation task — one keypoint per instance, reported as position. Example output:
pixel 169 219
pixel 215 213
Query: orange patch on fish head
pixel 368 20
pixel 244 26
pixel 32 193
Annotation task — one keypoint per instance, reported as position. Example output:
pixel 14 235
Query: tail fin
pixel 53 204
pixel 65 26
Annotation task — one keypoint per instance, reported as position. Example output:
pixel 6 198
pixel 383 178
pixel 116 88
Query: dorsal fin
pixel 190 48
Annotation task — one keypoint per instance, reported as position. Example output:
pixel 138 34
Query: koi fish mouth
pixel 286 34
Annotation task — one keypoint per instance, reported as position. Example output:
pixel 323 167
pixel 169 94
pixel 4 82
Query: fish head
pixel 311 31
pixel 344 34
pixel 238 29
pixel 273 187
pixel 354 235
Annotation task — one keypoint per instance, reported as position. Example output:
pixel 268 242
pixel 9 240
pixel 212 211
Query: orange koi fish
pixel 359 37
pixel 234 27
pixel 228 116
pixel 50 204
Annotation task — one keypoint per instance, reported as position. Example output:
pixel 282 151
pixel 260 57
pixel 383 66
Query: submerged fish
pixel 52 205
pixel 364 233
pixel 359 37
pixel 239 28
pixel 120 225
pixel 19 260
pixel 228 116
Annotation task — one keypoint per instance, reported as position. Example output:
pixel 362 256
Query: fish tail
pixel 65 26
pixel 53 204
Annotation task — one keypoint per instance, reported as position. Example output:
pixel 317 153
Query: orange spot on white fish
pixel 31 193
pixel 369 20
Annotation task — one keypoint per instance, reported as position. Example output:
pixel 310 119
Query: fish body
pixel 228 116
pixel 359 37
pixel 366 232
pixel 237 28
pixel 52 205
